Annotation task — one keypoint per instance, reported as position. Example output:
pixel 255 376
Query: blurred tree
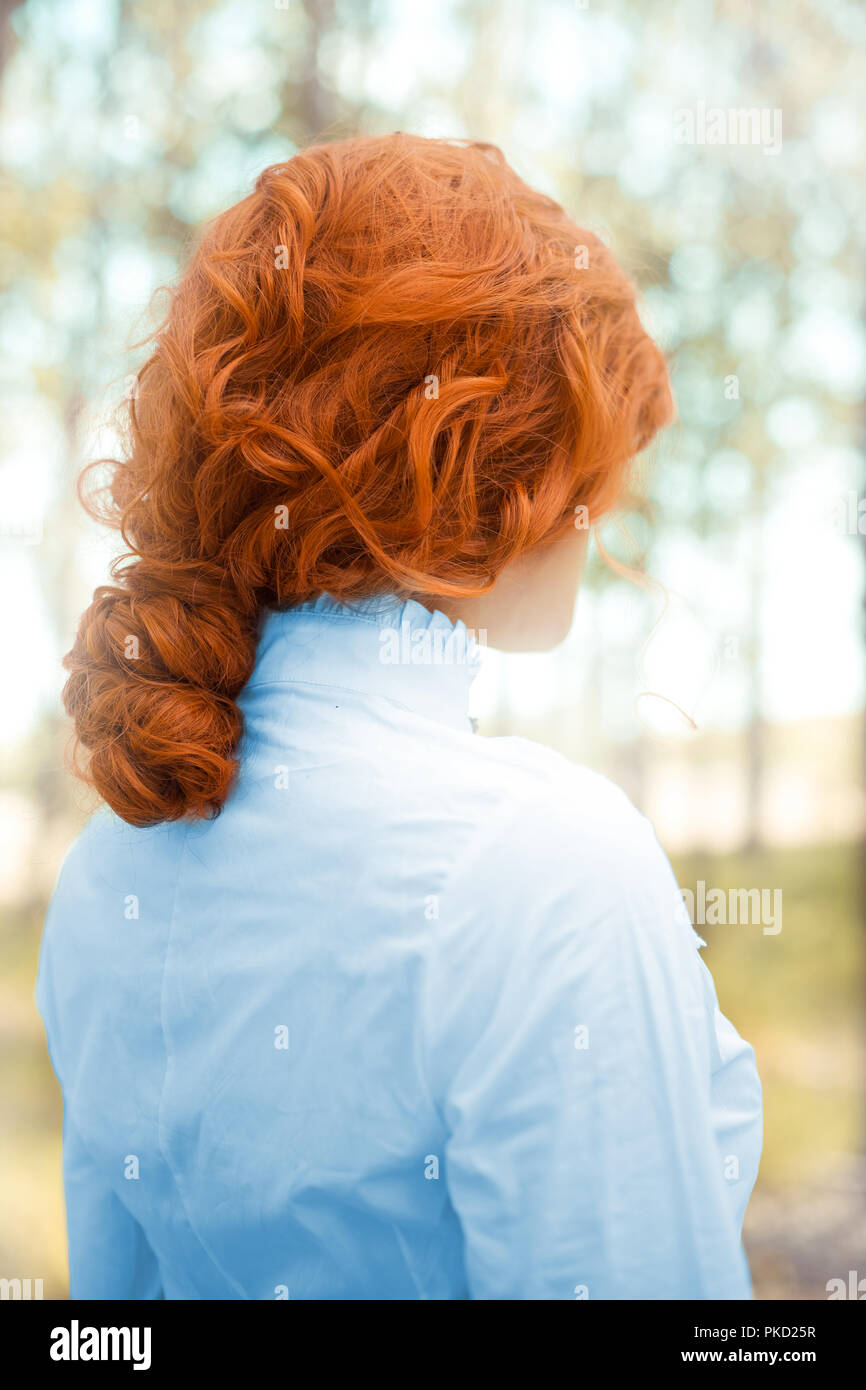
pixel 7 33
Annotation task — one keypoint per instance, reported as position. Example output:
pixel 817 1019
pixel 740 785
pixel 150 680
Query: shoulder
pixel 550 814
pixel 108 864
pixel 567 878
pixel 93 929
pixel 564 915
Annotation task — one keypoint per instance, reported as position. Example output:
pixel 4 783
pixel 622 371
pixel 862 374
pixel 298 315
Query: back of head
pixel 392 368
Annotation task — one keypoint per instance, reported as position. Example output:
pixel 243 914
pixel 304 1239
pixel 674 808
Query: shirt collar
pixel 384 646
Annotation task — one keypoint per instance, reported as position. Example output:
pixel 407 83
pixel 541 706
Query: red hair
pixel 392 368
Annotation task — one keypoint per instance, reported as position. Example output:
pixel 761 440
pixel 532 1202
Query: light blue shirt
pixel 419 1015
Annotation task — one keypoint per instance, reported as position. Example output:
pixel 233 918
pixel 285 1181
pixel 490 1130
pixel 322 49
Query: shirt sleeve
pixel 603 1117
pixel 109 1255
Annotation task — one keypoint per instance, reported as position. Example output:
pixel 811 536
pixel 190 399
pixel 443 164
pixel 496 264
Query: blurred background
pixel 728 698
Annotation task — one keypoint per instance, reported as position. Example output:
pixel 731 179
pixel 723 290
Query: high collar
pixel 388 647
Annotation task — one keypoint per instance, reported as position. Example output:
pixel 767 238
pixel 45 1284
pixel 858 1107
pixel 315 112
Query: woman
pixel 347 1002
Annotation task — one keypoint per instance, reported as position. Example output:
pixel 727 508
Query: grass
pixel 797 997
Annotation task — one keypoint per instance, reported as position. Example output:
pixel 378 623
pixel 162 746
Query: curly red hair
pixel 392 368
